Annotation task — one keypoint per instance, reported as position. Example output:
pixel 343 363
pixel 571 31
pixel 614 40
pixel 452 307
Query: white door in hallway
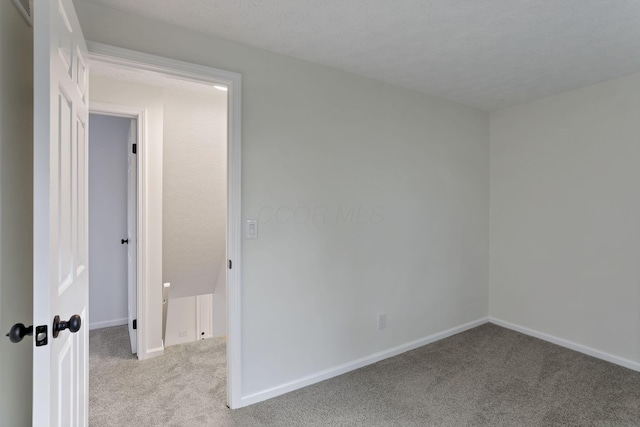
pixel 60 256
pixel 132 234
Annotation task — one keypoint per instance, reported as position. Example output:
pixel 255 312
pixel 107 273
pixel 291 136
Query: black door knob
pixel 18 332
pixel 123 241
pixel 72 325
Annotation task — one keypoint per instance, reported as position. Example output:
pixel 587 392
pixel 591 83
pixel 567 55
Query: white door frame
pixel 140 115
pixel 201 74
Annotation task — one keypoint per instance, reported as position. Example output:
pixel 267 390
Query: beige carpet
pixel 488 376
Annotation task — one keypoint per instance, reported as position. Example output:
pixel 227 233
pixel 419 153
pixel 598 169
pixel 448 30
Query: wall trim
pixel 108 323
pixel 356 364
pixel 385 354
pixel 154 352
pixel 580 348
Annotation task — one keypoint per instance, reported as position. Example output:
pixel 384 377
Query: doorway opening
pixel 113 219
pixel 203 289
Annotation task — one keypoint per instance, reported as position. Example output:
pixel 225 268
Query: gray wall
pixel 565 217
pixel 413 167
pixel 108 157
pixel 16 213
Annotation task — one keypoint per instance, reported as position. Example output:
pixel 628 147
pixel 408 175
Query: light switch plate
pixel 251 229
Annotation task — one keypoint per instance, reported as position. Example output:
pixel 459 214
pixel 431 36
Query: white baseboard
pixel 569 344
pixel 151 353
pixel 108 324
pixel 356 364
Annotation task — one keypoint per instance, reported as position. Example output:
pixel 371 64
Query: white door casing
pixel 132 234
pixel 60 260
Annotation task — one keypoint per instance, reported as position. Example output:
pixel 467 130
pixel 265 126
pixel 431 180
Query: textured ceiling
pixel 484 53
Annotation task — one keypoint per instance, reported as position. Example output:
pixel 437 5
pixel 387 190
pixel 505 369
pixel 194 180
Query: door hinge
pixel 230 264
pixel 134 148
pixel 135 323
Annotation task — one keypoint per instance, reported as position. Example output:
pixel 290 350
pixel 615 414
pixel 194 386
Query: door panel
pixel 65 375
pixel 60 382
pixel 65 132
pixel 80 192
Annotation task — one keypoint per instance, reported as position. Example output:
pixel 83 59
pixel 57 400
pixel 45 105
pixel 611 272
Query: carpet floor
pixel 488 376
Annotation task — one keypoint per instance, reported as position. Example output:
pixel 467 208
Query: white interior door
pixel 60 260
pixel 132 234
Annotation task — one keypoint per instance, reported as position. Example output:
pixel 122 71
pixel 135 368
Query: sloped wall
pixel 194 190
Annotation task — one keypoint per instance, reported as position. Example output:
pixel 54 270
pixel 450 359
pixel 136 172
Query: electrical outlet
pixel 382 320
pixel 183 334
